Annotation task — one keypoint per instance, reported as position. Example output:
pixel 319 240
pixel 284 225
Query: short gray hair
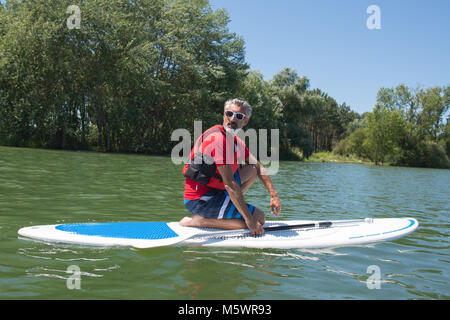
pixel 241 103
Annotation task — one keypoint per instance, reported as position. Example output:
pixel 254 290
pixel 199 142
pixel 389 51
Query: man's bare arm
pixel 275 204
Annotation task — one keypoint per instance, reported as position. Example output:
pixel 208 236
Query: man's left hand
pixel 275 205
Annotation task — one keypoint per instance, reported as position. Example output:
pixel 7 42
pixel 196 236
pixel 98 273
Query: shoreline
pixel 330 157
pixel 317 157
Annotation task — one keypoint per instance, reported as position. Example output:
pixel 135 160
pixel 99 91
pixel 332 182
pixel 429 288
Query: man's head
pixel 236 114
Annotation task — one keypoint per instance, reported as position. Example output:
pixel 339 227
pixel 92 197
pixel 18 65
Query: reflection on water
pixel 48 187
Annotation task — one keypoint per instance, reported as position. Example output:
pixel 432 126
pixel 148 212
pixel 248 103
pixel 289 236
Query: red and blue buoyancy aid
pixel 201 167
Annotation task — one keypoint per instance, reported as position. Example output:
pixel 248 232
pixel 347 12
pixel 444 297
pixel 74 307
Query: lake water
pixel 49 187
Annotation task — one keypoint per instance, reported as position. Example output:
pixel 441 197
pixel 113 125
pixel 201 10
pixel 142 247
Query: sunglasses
pixel 238 115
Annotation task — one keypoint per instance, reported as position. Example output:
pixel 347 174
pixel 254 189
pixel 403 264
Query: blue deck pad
pixel 128 230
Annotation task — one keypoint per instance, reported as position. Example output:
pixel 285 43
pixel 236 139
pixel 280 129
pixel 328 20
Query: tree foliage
pixel 406 127
pixel 134 71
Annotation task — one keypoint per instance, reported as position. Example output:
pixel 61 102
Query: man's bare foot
pixel 186 222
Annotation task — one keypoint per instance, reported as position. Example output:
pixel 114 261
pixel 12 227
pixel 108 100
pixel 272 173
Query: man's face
pixel 232 123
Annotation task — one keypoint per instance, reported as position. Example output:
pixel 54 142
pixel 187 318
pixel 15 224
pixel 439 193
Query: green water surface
pixel 50 187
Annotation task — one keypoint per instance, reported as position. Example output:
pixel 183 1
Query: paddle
pixel 195 233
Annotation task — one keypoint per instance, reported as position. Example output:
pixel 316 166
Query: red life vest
pixel 201 167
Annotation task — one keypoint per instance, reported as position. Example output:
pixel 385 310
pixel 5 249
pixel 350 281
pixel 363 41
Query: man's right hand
pixel 255 227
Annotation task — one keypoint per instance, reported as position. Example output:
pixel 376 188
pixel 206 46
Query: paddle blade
pixel 144 244
pixel 176 235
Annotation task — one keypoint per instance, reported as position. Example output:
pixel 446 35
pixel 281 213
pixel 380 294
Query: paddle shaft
pixel 318 224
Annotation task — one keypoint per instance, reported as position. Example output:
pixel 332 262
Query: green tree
pixel 295 105
pixel 354 144
pixel 384 130
pixel 435 102
pixel 423 111
pixel 261 96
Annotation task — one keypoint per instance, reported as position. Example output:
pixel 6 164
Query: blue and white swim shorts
pixel 216 204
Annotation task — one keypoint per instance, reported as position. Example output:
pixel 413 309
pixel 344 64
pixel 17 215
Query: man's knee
pixel 248 172
pixel 198 220
pixel 194 221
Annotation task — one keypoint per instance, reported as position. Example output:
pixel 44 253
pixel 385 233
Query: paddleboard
pixel 150 234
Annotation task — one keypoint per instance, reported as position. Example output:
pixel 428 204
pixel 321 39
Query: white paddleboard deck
pixel 138 234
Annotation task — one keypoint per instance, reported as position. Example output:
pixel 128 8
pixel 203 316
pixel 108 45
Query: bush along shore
pixel 331 157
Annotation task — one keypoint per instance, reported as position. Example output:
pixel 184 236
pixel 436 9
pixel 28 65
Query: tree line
pixel 406 127
pixel 309 119
pixel 134 71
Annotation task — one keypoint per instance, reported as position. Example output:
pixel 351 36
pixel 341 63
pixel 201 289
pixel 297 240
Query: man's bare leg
pixel 248 175
pixel 228 224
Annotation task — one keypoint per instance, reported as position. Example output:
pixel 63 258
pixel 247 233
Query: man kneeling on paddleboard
pixel 216 181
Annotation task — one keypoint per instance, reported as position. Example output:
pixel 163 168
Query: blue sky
pixel 328 42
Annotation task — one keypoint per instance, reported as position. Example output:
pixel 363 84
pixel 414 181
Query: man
pixel 216 182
